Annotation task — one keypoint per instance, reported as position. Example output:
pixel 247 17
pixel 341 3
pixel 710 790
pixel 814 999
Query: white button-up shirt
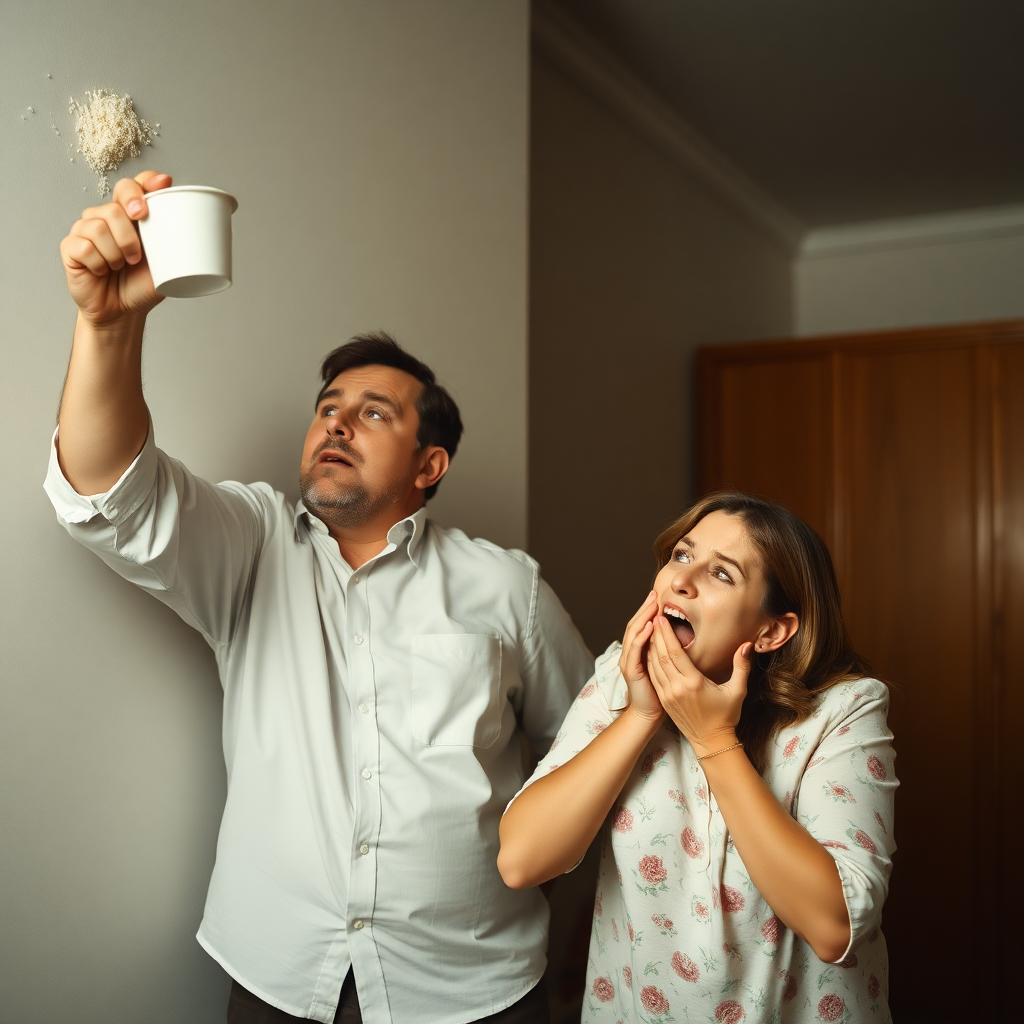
pixel 369 733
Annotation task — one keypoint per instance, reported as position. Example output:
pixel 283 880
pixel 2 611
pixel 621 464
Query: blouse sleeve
pixel 590 713
pixel 846 799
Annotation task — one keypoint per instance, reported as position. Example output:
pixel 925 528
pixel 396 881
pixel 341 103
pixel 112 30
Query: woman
pixel 743 764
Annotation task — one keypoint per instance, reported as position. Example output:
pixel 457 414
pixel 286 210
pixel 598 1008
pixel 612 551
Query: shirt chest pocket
pixel 456 689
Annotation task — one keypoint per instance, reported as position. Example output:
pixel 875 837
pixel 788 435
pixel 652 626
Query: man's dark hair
pixel 440 422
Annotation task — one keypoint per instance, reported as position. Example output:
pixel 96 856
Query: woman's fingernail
pixel 135 207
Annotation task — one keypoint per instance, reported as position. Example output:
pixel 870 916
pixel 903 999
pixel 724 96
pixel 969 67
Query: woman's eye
pixel 329 410
pixel 721 574
pixel 682 556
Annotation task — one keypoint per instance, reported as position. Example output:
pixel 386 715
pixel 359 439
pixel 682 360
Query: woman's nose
pixel 684 581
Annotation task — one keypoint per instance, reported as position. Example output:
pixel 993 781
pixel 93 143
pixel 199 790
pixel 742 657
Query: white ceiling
pixel 842 110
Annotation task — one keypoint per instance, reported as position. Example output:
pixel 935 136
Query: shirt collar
pixel 412 528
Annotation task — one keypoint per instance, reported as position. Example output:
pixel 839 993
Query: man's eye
pixel 375 414
pixel 328 410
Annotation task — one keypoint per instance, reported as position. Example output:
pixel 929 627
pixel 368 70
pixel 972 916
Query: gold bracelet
pixel 717 752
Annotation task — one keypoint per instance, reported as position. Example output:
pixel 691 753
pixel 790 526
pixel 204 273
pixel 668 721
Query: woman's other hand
pixel 106 269
pixel 706 712
pixel 632 662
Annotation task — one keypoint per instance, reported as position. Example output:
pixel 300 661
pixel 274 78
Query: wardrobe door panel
pixel 767 425
pixel 909 499
pixel 1007 781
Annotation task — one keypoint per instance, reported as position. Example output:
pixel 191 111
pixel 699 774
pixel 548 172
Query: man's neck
pixel 357 545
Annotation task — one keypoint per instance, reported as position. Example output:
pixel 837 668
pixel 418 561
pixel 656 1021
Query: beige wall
pixel 632 265
pixel 930 270
pixel 378 152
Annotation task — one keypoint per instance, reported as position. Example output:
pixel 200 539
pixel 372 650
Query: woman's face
pixel 712 590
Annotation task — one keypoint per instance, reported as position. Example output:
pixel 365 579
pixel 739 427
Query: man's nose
pixel 339 426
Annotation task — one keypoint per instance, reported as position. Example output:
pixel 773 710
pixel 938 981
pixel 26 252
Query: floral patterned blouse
pixel 680 932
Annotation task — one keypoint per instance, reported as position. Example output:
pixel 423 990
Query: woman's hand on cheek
pixel 632 661
pixel 706 712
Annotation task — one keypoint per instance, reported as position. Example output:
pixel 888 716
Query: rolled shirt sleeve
pixel 556 663
pixel 192 544
pixel 846 800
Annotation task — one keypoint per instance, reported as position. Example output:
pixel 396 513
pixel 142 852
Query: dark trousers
pixel 245 1008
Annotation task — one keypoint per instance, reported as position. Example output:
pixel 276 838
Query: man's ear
pixel 776 633
pixel 433 466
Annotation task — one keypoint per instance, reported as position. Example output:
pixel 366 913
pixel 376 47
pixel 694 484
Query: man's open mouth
pixel 331 456
pixel 680 625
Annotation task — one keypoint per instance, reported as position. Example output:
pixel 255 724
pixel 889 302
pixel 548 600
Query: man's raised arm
pixel 103 415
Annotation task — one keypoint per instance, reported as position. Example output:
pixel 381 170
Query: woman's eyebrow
pixel 732 561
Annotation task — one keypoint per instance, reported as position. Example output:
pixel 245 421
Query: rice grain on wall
pixel 109 132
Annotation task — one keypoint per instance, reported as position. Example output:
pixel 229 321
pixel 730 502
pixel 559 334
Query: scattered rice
pixel 109 132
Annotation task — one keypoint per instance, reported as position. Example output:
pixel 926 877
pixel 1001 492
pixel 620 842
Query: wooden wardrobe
pixel 905 451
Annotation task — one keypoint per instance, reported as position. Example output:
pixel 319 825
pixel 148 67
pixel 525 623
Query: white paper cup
pixel 187 239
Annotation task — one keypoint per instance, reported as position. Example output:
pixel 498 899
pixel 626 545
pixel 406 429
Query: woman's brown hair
pixel 799 577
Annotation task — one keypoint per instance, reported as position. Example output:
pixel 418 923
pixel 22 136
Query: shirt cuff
pixel 114 505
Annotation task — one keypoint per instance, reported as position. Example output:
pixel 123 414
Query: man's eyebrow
pixel 732 561
pixel 375 396
pixel 372 396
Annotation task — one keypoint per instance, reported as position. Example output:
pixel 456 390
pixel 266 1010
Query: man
pixel 375 668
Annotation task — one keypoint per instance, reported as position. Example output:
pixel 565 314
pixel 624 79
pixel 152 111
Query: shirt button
pixel 367 773
pixel 365 708
pixel 358 925
pixel 358 638
pixel 355 579
pixel 364 849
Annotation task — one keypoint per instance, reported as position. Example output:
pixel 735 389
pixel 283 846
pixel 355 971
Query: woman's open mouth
pixel 680 625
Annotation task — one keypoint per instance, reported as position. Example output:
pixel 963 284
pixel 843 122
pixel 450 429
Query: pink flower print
pixel 789 986
pixel 771 930
pixel 702 792
pixel 862 839
pixel 650 762
pixel 699 909
pixel 622 822
pixel 732 951
pixel 848 961
pixel 842 730
pixel 834 844
pixel 685 967
pixel 627 976
pixel 615 929
pixel 831 1008
pixel 732 899
pixel 653 999
pixel 599 904
pixel 619 874
pixel 815 762
pixel 588 691
pixel 598 727
pixel 629 928
pixel 692 844
pixel 874 989
pixel 678 799
pixel 791 747
pixel 877 769
pixel 652 869
pixel 604 989
pixel 881 824
pixel 729 1012
pixel 554 743
pixel 839 792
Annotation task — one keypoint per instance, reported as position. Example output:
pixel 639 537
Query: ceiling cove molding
pixel 592 66
pixel 913 232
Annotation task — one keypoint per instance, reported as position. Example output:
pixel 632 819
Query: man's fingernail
pixel 135 207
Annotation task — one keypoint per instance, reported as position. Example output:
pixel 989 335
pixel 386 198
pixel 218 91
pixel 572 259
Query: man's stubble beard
pixel 344 507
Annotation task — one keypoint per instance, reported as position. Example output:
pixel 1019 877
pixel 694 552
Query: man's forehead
pixel 399 386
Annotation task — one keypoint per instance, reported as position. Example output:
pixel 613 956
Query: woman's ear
pixel 776 633
pixel 433 466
